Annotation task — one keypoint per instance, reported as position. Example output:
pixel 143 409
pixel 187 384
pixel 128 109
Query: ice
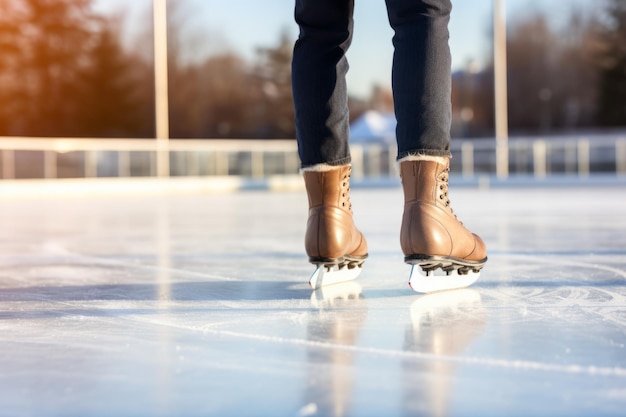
pixel 195 304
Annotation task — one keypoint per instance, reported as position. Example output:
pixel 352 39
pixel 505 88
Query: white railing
pixel 184 156
pixel 91 158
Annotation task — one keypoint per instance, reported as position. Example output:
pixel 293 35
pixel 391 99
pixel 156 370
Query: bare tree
pixel 273 71
pixel 612 65
pixel 50 45
pixel 552 81
pixel 212 99
pixel 110 104
pixel 63 72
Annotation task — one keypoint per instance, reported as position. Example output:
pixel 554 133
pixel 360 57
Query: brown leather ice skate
pixel 431 236
pixel 332 241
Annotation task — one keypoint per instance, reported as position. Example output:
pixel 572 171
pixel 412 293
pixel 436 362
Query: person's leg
pixel 421 75
pixel 431 236
pixel 319 68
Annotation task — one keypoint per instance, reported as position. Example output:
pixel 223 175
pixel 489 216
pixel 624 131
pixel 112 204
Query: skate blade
pixel 439 280
pixel 333 274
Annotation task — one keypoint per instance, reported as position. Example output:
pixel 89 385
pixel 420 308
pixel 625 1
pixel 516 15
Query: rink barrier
pixel 56 158
pixel 145 186
pixel 139 187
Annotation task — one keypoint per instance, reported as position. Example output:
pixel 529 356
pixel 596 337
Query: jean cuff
pixel 337 163
pixel 423 152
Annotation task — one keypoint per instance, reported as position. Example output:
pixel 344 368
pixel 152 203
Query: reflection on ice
pixel 442 324
pixel 341 312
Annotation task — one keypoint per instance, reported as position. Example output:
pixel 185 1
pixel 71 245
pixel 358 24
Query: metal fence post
pixel 161 87
pixel 620 156
pixel 221 163
pixel 91 164
pixel 539 158
pixel 500 89
pixel 8 164
pixel 357 158
pixel 467 159
pixel 49 164
pixel 123 164
pixel 257 164
pixel 583 158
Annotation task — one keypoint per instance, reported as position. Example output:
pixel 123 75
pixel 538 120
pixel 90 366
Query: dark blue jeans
pixel 421 79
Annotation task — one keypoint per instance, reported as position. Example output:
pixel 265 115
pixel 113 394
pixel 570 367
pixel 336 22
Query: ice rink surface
pixel 198 305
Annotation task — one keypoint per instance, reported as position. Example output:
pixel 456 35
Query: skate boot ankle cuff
pixel 422 157
pixel 321 168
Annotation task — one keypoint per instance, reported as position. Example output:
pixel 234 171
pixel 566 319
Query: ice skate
pixel 442 253
pixel 332 241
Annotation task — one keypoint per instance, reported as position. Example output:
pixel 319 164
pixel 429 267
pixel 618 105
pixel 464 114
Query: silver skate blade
pixel 322 276
pixel 439 280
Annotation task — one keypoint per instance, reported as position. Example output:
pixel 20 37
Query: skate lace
pixel 345 193
pixel 443 178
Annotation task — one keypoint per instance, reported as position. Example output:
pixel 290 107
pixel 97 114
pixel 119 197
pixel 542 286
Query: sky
pixel 213 26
